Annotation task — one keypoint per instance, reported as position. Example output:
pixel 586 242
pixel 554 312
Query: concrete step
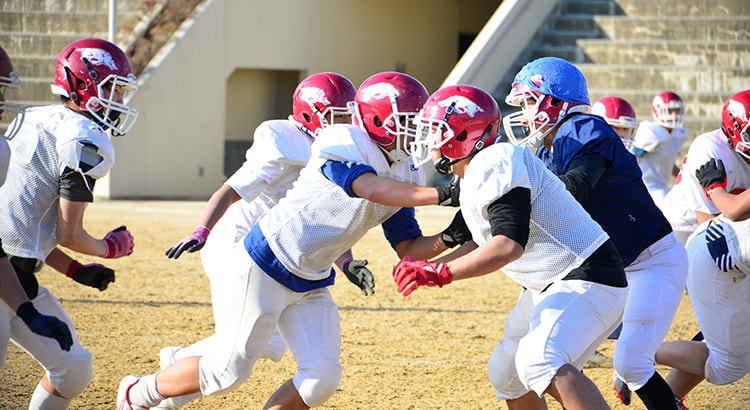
pixel 39 66
pixel 35 91
pixel 688 8
pixel 707 79
pixel 589 7
pixel 68 6
pixel 20 44
pixel 675 28
pixel 571 53
pixel 572 23
pixel 677 53
pixel 557 38
pixel 81 23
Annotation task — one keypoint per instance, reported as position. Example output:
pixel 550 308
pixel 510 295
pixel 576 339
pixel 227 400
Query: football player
pixel 719 259
pixel 593 163
pixel 523 221
pixel 280 149
pixel 58 153
pixel 357 178
pixel 687 205
pixel 657 144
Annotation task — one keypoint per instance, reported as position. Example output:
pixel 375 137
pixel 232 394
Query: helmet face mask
pixel 9 80
pixel 668 110
pixel 96 76
pixel 735 116
pixel 620 115
pixel 386 104
pixel 546 89
pixel 456 122
pixel 322 99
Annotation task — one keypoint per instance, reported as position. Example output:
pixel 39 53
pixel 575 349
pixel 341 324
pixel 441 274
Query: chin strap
pixel 443 165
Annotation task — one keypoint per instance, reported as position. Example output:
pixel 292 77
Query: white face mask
pixel 4 159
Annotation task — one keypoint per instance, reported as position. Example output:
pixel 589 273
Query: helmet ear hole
pixel 307 117
pixel 376 120
pixel 461 136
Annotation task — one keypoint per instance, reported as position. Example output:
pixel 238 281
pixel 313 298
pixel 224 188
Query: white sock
pixel 44 400
pixel 144 392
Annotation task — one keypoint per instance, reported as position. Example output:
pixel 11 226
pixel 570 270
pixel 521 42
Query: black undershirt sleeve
pixel 583 174
pixel 74 187
pixel 510 215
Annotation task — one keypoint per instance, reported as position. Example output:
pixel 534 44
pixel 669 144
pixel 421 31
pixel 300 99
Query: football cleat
pixel 123 402
pixel 622 390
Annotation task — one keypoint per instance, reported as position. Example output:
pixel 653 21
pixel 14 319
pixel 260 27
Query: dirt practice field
pixel 427 351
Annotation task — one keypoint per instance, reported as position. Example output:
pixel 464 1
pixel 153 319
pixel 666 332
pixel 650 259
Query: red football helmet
pixel 459 120
pixel 668 109
pixel 385 105
pixel 321 97
pixel 619 114
pixel 9 79
pixel 96 75
pixel 735 118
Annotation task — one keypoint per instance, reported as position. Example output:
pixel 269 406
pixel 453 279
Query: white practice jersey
pixel 279 152
pixel 317 221
pixel 561 233
pixel 687 195
pixel 662 147
pixel 50 139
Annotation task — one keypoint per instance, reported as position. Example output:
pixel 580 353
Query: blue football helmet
pixel 547 89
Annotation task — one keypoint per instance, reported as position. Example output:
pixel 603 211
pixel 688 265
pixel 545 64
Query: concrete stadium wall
pixel 238 62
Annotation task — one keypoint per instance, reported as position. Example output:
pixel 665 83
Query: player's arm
pixel 583 174
pixel 12 293
pixel 713 179
pixel 76 191
pixel 733 207
pixel 95 275
pixel 357 272
pixel 509 218
pixel 387 191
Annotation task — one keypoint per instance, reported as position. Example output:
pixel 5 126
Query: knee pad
pixel 631 367
pixel 501 369
pixel 71 379
pixel 724 370
pixel 316 385
pixel 222 375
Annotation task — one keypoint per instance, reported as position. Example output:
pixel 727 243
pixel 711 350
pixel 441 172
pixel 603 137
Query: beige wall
pixel 238 63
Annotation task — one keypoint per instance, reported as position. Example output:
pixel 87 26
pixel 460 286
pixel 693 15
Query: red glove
pixel 119 243
pixel 409 274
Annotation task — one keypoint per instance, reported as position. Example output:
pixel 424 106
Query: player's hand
pixel 95 275
pixel 457 233
pixel 191 243
pixel 711 176
pixel 359 275
pixel 410 274
pixel 716 242
pixel 119 243
pixel 48 326
pixel 448 193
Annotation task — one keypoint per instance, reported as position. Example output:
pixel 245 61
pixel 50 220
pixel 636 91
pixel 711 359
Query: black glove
pixel 712 175
pixel 457 233
pixel 716 242
pixel 448 193
pixel 359 275
pixel 48 326
pixel 93 274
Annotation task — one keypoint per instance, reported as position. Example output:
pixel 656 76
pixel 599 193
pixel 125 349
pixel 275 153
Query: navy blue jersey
pixel 619 201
